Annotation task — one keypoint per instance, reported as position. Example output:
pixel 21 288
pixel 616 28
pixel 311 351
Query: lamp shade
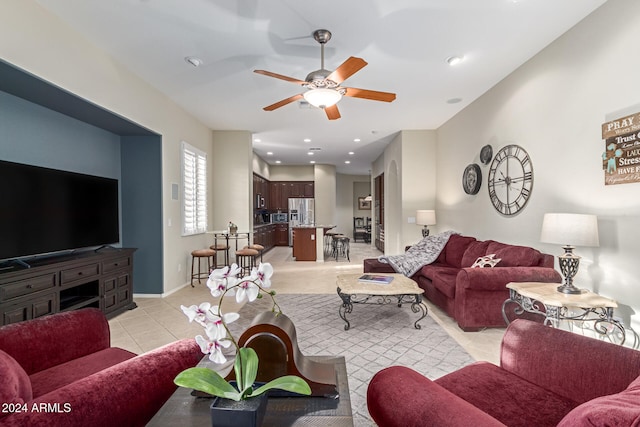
pixel 427 217
pixel 570 229
pixel 322 98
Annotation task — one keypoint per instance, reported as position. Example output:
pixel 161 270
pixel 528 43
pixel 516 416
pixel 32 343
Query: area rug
pixel 380 336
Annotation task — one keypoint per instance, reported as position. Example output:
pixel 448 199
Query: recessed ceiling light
pixel 195 61
pixel 257 140
pixel 312 162
pixel 347 162
pixel 351 153
pixel 278 161
pixel 310 153
pixel 356 140
pixel 454 60
pixel 269 153
pixel 306 140
pixel 453 100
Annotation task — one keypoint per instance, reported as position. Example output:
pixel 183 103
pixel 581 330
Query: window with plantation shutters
pixel 194 194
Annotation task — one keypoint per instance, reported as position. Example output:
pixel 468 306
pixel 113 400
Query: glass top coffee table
pixel 399 291
pixel 184 410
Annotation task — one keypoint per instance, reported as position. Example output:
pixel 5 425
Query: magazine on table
pixel 375 278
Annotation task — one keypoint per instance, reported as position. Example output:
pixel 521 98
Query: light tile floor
pixel 158 321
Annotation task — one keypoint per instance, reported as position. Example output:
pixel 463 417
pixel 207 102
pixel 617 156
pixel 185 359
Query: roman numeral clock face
pixel 510 180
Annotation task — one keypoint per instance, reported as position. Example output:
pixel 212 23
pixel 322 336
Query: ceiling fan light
pixel 322 98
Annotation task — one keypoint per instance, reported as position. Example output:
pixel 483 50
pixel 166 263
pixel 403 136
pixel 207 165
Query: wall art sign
pixel 621 158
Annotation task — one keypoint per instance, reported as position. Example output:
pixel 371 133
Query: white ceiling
pixel 405 42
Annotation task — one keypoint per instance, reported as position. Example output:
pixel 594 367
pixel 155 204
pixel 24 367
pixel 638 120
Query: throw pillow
pixel 16 386
pixel 486 261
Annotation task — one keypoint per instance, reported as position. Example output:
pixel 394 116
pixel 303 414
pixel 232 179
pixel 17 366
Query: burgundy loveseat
pixel 474 296
pixel 60 370
pixel 547 377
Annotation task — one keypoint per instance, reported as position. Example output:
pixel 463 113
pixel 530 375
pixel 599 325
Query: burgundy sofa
pixel 546 377
pixel 60 370
pixel 474 296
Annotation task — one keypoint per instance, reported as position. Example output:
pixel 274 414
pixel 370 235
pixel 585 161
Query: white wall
pixel 409 165
pixel 325 194
pixel 291 173
pixel 232 180
pixel 33 39
pixel 261 167
pixel 553 106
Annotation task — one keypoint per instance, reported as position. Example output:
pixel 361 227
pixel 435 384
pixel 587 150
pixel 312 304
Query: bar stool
pixel 219 247
pixel 328 241
pixel 199 254
pixel 258 248
pixel 341 246
pixel 245 258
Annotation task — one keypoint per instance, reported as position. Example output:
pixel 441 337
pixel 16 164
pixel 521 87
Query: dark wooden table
pixel 183 409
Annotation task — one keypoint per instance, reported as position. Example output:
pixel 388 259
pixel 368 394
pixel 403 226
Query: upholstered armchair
pixel 546 377
pixel 60 370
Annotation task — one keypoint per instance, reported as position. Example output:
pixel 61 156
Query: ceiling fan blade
pixel 373 95
pixel 348 68
pixel 283 102
pixel 332 112
pixel 279 76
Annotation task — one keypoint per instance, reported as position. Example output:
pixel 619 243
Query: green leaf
pixel 208 381
pixel 287 383
pixel 248 364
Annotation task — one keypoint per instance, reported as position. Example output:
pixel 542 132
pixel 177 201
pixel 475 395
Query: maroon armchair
pixel 546 377
pixel 60 370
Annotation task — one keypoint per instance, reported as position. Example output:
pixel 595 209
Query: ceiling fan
pixel 323 86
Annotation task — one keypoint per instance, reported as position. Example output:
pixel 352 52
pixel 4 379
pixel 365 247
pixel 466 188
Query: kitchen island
pixel 308 242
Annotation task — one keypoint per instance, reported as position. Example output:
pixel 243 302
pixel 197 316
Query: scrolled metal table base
pixel 348 300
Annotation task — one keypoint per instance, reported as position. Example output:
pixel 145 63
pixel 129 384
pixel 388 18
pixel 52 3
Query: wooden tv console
pixel 101 279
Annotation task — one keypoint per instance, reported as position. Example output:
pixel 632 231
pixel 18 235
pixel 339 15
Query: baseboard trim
pixel 162 295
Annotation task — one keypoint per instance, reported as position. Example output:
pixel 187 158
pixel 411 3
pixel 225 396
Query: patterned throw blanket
pixel 424 252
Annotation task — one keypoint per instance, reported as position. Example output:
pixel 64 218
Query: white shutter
pixel 194 194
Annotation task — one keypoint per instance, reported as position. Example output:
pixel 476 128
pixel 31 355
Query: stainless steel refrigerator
pixel 301 212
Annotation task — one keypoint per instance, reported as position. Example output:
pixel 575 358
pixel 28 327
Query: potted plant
pixel 225 282
pixel 233 228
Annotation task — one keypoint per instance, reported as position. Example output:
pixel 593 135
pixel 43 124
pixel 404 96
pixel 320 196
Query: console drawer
pixel 116 264
pixel 27 286
pixel 79 273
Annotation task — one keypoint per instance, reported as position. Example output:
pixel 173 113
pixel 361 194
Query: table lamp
pixel 569 230
pixel 426 218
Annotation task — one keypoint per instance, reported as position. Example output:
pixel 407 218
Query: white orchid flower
pixel 264 273
pixel 226 272
pixel 247 289
pixel 219 321
pixel 222 279
pixel 200 314
pixel 213 345
pixel 217 286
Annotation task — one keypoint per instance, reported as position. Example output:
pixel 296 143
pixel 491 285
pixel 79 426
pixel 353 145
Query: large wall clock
pixel 510 180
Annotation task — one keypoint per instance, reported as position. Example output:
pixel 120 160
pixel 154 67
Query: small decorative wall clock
pixel 510 179
pixel 472 179
pixel 485 154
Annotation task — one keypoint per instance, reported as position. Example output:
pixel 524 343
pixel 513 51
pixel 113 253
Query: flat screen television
pixel 44 211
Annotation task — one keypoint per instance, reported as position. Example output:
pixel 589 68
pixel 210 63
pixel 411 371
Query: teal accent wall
pixel 38 136
pixel 141 160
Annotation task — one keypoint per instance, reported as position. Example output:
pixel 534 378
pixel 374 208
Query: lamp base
pixel 569 289
pixel 425 231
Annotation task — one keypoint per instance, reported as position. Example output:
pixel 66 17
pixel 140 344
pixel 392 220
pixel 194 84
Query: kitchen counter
pixel 308 242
